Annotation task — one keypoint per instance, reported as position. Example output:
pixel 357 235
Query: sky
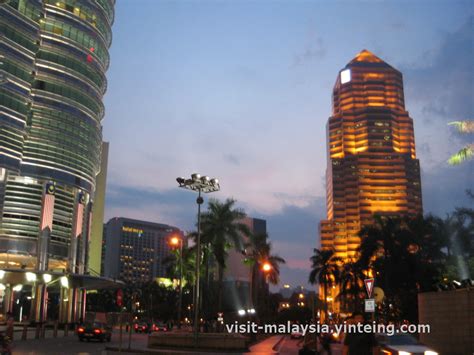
pixel 241 90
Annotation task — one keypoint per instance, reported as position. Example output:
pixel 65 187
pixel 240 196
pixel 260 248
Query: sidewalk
pixel 267 346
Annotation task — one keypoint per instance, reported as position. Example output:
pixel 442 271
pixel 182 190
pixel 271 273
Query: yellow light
pixel 301 295
pixel 174 241
pixel 266 267
pixel 64 282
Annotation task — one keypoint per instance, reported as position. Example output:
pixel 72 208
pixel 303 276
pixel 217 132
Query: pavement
pixel 70 345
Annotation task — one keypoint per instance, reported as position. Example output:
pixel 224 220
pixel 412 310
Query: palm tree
pixel 222 229
pixel 467 152
pixel 325 272
pixel 258 251
pixel 172 264
pixel 351 284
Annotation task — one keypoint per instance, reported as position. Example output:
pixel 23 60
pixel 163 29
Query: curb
pixel 277 345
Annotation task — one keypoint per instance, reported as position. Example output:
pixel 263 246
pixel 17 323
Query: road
pixel 70 345
pixel 289 347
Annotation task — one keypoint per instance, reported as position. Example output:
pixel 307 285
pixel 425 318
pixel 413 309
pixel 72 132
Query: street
pixel 289 346
pixel 71 345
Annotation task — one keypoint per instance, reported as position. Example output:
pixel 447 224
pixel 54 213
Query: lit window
pixel 345 76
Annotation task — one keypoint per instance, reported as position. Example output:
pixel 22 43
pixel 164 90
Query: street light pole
pixel 206 185
pixel 199 201
pixel 180 301
pixel 179 241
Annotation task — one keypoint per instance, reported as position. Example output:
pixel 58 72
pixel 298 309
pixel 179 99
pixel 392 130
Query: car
pixel 96 330
pixel 159 327
pixel 141 327
pixel 296 335
pixel 405 344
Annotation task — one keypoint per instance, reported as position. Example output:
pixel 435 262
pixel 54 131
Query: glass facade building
pixel 53 59
pixel 372 166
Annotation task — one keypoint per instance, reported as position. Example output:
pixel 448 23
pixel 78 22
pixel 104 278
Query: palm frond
pixel 463 155
pixel 466 126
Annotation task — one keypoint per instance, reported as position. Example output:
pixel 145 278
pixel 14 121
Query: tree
pixel 405 257
pixel 258 251
pixel 351 285
pixel 172 264
pixel 325 272
pixel 222 229
pixel 467 152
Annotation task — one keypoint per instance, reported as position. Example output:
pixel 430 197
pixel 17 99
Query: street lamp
pixel 200 184
pixel 178 242
pixel 266 267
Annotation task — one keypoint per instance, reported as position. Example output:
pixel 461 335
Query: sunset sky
pixel 241 90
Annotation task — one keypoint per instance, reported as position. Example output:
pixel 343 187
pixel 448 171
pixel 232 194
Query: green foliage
pixel 467 152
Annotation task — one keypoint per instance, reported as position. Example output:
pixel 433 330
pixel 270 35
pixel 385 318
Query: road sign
pixel 370 305
pixel 369 286
pixel 119 296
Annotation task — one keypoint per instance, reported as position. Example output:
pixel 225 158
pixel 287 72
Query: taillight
pixel 80 330
pixel 136 326
pixel 97 331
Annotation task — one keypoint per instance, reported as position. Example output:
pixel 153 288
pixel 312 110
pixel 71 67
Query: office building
pixel 372 166
pixel 134 251
pixel 52 81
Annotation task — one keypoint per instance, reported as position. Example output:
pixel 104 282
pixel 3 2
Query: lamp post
pixel 176 241
pixel 200 184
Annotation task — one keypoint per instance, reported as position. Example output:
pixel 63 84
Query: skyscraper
pixel 372 166
pixel 52 80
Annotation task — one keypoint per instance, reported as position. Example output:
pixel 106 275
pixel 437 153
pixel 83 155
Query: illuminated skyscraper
pixel 54 55
pixel 372 166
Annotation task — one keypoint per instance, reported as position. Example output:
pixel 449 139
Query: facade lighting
pixel 30 277
pixel 64 282
pixel 47 278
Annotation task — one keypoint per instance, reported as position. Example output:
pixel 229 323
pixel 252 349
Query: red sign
pixel 119 300
pixel 369 286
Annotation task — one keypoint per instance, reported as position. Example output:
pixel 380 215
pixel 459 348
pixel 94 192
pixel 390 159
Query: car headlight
pixel 429 352
pixel 404 353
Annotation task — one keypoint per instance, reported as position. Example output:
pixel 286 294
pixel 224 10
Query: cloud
pixel 444 188
pixel 445 87
pixel 314 48
pixel 232 159
pixel 439 89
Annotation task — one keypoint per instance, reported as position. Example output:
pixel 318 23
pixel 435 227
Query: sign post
pixel 119 301
pixel 369 302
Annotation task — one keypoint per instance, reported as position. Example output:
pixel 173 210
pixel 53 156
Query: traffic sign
pixel 370 305
pixel 369 286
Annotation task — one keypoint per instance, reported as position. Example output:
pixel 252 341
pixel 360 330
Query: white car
pixel 296 335
pixel 402 344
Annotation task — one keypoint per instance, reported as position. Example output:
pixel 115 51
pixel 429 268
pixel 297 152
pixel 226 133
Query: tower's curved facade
pixel 54 55
pixel 372 166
